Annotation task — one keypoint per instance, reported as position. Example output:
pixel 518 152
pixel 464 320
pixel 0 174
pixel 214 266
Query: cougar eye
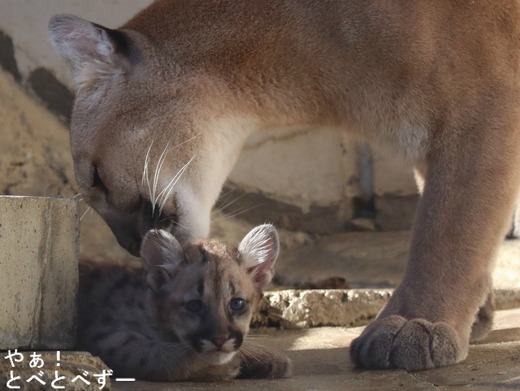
pixel 194 305
pixel 237 304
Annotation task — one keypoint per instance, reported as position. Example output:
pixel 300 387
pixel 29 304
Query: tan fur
pixel 436 80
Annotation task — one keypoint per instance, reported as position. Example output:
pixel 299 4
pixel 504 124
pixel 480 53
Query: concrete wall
pixel 316 181
pixel 39 279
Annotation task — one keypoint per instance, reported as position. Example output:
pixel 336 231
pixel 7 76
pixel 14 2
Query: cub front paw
pixel 265 366
pixel 416 344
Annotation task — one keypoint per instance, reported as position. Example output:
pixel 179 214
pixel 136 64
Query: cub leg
pixel 468 198
pixel 258 362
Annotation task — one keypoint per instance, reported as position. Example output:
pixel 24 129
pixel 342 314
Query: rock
pixel 39 279
pixel 297 309
pixel 293 309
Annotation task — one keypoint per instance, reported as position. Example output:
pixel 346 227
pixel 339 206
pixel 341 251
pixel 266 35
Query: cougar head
pixel 145 155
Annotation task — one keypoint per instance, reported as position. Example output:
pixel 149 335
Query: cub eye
pixel 194 305
pixel 237 304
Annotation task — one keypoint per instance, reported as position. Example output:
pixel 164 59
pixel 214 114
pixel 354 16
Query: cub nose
pixel 219 341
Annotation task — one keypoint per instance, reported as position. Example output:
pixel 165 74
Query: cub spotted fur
pixel 185 315
pixel 164 104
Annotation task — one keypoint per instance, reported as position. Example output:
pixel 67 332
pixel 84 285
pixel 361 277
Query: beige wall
pixel 303 169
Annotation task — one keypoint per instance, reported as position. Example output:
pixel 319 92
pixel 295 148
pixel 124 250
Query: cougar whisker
pixel 172 222
pixel 228 204
pixel 84 213
pixel 225 217
pixel 186 141
pixel 156 175
pixel 146 176
pixel 169 188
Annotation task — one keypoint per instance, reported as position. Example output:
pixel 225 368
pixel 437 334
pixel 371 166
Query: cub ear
pixel 259 250
pixel 161 253
pixel 91 51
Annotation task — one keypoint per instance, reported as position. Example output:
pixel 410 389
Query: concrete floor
pixel 320 358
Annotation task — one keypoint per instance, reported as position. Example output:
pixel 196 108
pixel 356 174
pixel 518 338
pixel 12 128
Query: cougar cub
pixel 185 314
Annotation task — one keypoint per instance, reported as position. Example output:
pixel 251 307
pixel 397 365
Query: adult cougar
pixel 180 87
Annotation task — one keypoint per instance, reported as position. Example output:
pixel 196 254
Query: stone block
pixel 300 309
pixel 38 272
pixel 297 309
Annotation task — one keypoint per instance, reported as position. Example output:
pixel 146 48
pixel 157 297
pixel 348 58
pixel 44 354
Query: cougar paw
pixel 416 344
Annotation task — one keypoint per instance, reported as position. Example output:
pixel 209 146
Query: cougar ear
pixel 259 250
pixel 91 51
pixel 161 253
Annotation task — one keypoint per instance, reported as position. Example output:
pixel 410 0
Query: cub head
pixel 148 150
pixel 205 293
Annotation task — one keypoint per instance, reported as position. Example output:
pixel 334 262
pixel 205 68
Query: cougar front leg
pixel 468 198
